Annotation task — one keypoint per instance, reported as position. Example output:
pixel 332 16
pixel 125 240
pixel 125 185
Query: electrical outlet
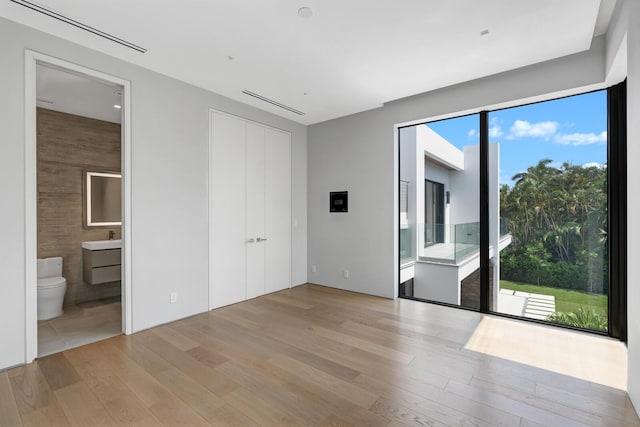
pixel 173 298
pixel 314 269
pixel 345 274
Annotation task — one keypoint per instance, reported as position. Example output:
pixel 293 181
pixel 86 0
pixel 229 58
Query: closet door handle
pixel 259 239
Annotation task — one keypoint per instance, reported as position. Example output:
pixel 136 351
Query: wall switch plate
pixel 345 274
pixel 173 298
pixel 314 269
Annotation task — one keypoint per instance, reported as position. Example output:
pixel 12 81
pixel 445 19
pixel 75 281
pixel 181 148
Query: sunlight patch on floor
pixel 589 357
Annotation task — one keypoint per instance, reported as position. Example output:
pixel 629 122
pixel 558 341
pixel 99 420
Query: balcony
pixel 454 243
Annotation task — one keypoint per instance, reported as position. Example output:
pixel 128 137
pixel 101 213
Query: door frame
pixel 211 194
pixel 31 58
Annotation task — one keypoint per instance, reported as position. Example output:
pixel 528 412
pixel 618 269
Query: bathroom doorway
pixel 77 142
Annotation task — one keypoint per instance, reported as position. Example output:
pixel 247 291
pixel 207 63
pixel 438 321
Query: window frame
pixel 616 211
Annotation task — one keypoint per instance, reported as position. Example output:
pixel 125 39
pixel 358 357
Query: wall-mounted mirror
pixel 102 199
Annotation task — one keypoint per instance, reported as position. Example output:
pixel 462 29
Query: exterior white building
pixel 440 229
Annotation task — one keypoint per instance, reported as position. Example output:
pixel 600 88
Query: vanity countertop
pixel 99 245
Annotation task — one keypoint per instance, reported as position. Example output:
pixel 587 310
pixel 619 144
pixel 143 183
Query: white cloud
pixel 582 138
pixel 593 165
pixel 524 129
pixel 546 130
pixel 495 132
pixel 471 133
pixel 557 165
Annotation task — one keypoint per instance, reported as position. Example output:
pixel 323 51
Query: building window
pixel 433 212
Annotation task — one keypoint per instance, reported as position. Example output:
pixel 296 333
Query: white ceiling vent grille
pixel 272 102
pixel 67 20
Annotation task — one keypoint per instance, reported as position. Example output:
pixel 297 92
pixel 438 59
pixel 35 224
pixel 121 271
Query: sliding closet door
pixel 277 210
pixel 228 210
pixel 255 209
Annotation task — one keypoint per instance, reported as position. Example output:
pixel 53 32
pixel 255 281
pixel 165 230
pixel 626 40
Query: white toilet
pixel 51 288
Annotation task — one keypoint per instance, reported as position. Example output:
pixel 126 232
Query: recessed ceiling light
pixel 305 12
pixel 484 32
pixel 117 106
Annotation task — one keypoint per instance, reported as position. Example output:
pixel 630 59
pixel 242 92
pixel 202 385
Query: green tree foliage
pixel 558 221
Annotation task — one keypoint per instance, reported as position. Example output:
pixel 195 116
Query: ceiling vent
pixel 67 20
pixel 272 102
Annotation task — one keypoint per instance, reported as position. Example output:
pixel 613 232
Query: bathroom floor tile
pixel 47 336
pixel 79 326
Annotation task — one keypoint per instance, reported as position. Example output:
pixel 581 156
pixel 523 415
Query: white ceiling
pixel 349 57
pixel 69 93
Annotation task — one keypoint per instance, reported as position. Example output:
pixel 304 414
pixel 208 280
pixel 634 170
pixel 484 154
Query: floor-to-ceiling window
pixel 439 169
pixel 517 211
pixel 553 202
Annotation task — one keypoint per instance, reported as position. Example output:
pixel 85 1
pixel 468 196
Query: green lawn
pixel 566 300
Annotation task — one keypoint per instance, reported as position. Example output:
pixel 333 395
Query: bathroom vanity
pixel 101 261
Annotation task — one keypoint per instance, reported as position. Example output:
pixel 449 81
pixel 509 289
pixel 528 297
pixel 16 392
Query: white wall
pixel 633 182
pixel 439 148
pixel 357 153
pixel 169 179
pixel 616 48
pixel 434 172
pixel 465 188
pixel 437 282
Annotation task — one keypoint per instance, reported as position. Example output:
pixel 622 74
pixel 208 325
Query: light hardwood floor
pixel 308 356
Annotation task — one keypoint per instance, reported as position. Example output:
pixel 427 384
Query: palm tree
pixel 564 209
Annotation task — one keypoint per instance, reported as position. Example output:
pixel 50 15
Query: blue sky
pixel 570 130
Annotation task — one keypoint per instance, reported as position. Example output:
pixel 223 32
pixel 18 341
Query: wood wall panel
pixel 67 146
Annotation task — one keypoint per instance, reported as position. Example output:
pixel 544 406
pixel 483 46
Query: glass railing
pixel 406 243
pixel 453 242
pixel 449 242
pixel 504 227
